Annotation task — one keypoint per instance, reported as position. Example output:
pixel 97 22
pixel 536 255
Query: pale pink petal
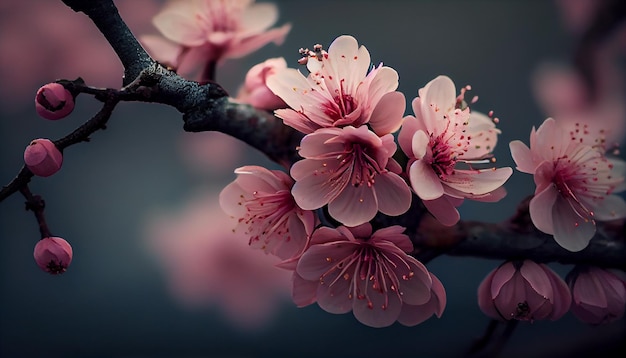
pixel 178 24
pixel 296 120
pixel 314 191
pixel 231 200
pixel 303 292
pixel 161 49
pixel 478 182
pixel 392 193
pixel 540 209
pixel 416 288
pixel 253 43
pixel 570 230
pixel 419 144
pixel 394 234
pixel 256 178
pixel 410 125
pixel 385 80
pixel 522 156
pixel 425 181
pixel 484 135
pixel 611 208
pixel 443 210
pixel 363 231
pixel 439 99
pixel 387 115
pixel 354 205
pixel 257 18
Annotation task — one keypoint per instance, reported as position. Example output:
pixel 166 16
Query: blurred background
pixel 156 270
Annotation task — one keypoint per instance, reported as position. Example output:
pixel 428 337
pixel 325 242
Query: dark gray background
pixel 113 302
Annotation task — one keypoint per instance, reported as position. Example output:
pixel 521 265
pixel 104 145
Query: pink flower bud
pixel 53 255
pixel 524 291
pixel 53 101
pixel 598 295
pixel 42 157
pixel 255 91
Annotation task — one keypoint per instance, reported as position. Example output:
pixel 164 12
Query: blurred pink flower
pixel 339 91
pixel 207 264
pixel 524 291
pixel 266 213
pixel 211 151
pixel 197 32
pixel 369 274
pixel 59 43
pixel 255 91
pixel 351 170
pixel 575 184
pixel 440 137
pixel 598 295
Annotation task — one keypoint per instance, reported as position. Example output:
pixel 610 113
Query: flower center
pixel 267 214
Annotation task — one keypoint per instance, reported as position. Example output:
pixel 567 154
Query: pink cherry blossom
pixel 598 295
pixel 255 91
pixel 371 275
pixel 261 201
pixel 575 184
pixel 198 32
pixel 207 265
pixel 339 91
pixel 352 171
pixel 437 139
pixel 524 291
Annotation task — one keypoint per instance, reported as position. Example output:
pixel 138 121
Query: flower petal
pixel 387 115
pixel 354 205
pixel 392 193
pixel 522 156
pixel 478 182
pixel 444 210
pixel 425 181
pixel 571 231
pixel 540 209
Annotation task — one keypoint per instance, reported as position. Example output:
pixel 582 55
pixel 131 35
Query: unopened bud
pixel 53 254
pixel 53 101
pixel 42 157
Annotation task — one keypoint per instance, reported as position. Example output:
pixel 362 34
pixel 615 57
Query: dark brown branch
pixel 36 204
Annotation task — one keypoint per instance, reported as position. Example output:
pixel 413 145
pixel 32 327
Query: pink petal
pixel 410 125
pixel 570 230
pixel 333 295
pixel 231 200
pixel 443 209
pixel 387 115
pixel 320 259
pixel 438 98
pixel 314 191
pixel 478 182
pixel 178 24
pixel 522 156
pixel 562 298
pixel 363 231
pixel 253 43
pixel 503 274
pixel 303 292
pixel 377 309
pixel 611 208
pixel 419 144
pixel 413 315
pixel 394 234
pixel 485 300
pixel 540 209
pixel 587 289
pixel 392 193
pixel 416 288
pixel 354 205
pixel 161 49
pixel 255 178
pixel 511 294
pixel 425 181
pixel 484 135
pixel 258 17
pixel 385 81
pixel 537 278
pixel 296 120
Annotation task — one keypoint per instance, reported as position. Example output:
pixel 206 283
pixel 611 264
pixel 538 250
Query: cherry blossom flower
pixel 207 265
pixel 598 295
pixel 371 275
pixel 438 138
pixel 575 184
pixel 340 91
pixel 266 212
pixel 352 171
pixel 198 32
pixel 524 291
pixel 255 91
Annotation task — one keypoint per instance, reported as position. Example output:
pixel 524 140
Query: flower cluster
pixel 348 111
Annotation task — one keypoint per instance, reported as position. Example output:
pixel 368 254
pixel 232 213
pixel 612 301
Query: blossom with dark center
pixel 261 201
pixel 575 184
pixel 371 275
pixel 340 91
pixel 439 138
pixel 352 171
